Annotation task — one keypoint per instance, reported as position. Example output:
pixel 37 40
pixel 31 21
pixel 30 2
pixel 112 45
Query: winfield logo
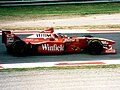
pixel 54 47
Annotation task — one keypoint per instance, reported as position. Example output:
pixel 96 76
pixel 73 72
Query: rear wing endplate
pixel 4 33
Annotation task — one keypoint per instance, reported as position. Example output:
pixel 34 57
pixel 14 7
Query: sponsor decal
pixel 53 47
pixel 75 48
pixel 10 40
pixel 110 51
pixel 104 42
pixel 40 35
pixel 44 35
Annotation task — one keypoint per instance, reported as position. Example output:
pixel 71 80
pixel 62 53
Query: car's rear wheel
pixel 9 49
pixel 95 47
pixel 19 48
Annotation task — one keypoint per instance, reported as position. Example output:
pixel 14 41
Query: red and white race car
pixel 48 42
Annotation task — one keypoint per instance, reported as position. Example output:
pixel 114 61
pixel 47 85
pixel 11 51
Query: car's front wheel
pixel 95 47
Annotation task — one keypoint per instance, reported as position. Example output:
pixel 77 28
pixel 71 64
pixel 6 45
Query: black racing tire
pixel 95 47
pixel 19 48
pixel 9 49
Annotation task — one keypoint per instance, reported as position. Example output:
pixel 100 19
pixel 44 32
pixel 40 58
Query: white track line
pixel 62 63
pixel 66 31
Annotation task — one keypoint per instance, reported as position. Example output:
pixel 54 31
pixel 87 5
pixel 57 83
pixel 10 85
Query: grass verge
pixel 62 68
pixel 35 12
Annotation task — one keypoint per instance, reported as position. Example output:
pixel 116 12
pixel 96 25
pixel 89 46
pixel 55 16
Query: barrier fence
pixel 49 2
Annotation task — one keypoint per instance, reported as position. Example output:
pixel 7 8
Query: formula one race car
pixel 48 42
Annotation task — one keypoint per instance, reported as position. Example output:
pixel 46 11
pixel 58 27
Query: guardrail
pixel 51 2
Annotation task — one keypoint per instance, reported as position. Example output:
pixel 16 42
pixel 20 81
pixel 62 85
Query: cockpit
pixel 59 35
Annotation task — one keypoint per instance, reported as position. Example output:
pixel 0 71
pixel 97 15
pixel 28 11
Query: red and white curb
pixel 66 31
pixel 58 64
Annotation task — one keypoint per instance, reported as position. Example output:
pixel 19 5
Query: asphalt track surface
pixel 78 79
pixel 8 59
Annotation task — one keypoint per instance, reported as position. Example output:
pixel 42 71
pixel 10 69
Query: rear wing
pixel 4 33
pixel 8 38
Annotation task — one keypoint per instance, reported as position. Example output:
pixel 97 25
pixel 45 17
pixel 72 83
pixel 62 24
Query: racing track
pixel 8 59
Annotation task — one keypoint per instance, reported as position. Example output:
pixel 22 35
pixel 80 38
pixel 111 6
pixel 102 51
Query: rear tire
pixel 9 49
pixel 19 48
pixel 95 47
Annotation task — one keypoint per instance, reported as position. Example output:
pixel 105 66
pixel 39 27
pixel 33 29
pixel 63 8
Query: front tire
pixel 95 47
